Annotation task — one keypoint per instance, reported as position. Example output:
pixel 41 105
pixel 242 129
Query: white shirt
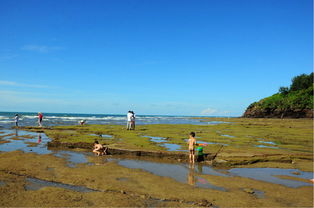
pixel 129 116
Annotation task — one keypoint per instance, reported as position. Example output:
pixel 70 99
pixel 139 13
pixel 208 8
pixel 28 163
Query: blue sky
pixel 169 57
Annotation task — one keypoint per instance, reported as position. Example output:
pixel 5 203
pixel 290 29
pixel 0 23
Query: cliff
pixel 293 102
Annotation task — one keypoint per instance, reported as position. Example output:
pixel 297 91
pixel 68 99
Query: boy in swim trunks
pixel 192 143
pixel 99 149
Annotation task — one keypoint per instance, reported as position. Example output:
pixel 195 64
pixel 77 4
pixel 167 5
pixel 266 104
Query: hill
pixel 295 101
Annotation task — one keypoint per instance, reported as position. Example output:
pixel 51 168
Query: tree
pixel 301 82
pixel 284 90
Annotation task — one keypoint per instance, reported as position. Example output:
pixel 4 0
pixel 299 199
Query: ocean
pixel 62 119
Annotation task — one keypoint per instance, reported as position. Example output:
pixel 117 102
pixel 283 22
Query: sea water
pixel 64 119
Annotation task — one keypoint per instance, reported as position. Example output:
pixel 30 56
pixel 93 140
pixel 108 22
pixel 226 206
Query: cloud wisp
pixel 41 48
pixel 16 84
pixel 208 111
pixel 212 111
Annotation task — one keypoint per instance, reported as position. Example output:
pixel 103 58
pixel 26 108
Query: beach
pixel 148 167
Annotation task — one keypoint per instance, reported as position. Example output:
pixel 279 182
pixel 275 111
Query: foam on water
pixel 52 119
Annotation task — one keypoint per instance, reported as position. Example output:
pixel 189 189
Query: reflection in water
pixel 200 168
pixel 191 175
pixel 16 132
pixel 39 138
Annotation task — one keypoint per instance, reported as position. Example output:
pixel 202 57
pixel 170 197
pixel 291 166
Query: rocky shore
pixel 255 112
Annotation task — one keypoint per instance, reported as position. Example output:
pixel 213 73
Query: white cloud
pixel 16 84
pixel 41 48
pixel 209 111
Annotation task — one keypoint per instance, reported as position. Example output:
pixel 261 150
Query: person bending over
pixel 99 149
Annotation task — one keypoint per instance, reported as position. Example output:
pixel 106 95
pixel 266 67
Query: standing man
pixel 16 118
pixel 129 120
pixel 40 119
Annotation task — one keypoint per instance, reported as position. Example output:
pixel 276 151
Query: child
pixel 192 143
pixel 99 149
pixel 200 154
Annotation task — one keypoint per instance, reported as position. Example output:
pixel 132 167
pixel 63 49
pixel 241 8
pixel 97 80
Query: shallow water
pixel 102 135
pixel 163 143
pixel 2 183
pixel 178 171
pixel 181 171
pixel 40 138
pixel 264 146
pixel 34 184
pixel 226 135
pixel 269 175
pixel 73 158
pixel 265 142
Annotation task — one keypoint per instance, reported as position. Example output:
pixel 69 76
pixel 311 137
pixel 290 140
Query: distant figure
pixel 39 138
pixel 129 120
pixel 192 143
pixel 99 149
pixel 133 121
pixel 82 122
pixel 16 118
pixel 40 119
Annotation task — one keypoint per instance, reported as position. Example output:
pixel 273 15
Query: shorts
pixel 192 151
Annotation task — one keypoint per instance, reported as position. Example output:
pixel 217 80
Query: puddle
pixel 173 147
pixel 265 142
pixel 216 122
pixel 226 135
pixel 102 135
pixel 2 183
pixel 157 139
pixel 23 144
pixel 73 158
pixel 259 194
pixel 34 184
pixel 179 172
pixel 40 140
pixel 269 175
pixel 264 146
pixel 163 143
pixel 185 174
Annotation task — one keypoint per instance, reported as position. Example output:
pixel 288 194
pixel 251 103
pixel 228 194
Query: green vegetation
pixel 282 141
pixel 296 101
